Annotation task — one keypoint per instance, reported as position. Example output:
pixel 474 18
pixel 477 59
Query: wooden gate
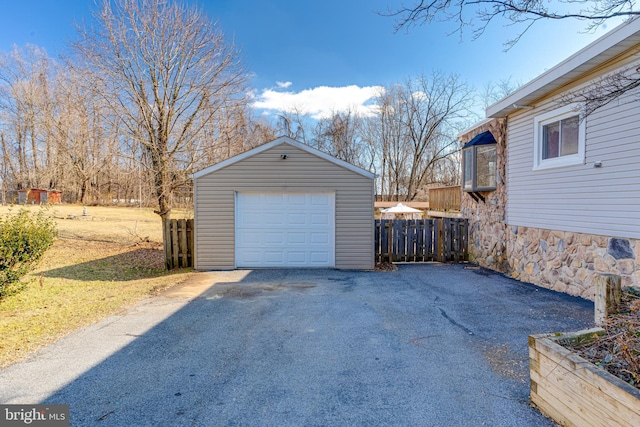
pixel 421 240
pixel 178 243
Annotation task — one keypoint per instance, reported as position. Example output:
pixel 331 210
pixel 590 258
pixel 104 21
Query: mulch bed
pixel 618 351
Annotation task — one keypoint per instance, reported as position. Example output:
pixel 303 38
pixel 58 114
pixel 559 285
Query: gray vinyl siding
pixel 579 198
pixel 266 172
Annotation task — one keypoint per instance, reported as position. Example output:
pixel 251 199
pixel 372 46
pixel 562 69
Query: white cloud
pixel 319 102
pixel 283 85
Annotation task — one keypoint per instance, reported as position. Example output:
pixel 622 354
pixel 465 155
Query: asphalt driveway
pixel 427 345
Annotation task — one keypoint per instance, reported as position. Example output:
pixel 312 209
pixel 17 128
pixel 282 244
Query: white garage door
pixel 285 230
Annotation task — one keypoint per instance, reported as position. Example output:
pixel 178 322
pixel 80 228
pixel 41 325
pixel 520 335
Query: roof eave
pixel 593 55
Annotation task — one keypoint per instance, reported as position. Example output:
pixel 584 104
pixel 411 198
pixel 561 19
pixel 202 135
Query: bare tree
pixel 236 130
pixel 166 71
pixel 606 89
pixel 478 14
pixel 386 133
pixel 84 135
pixel 418 122
pixel 494 91
pixel 26 107
pixel 341 136
pixel 293 124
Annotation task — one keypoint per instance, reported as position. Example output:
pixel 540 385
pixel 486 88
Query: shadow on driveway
pixel 426 345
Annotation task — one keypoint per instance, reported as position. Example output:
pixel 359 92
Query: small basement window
pixel 479 161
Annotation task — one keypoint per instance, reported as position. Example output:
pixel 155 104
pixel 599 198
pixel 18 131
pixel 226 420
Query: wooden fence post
pixel 608 289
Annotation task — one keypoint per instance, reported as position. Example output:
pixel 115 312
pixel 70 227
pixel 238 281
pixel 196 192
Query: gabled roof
pixel 275 143
pixel 599 52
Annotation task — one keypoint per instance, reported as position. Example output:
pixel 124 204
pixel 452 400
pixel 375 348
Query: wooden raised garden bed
pixel 575 392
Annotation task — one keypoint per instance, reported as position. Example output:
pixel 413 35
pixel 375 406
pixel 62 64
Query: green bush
pixel 24 238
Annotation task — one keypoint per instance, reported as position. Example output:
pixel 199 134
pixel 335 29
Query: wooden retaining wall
pixel 573 391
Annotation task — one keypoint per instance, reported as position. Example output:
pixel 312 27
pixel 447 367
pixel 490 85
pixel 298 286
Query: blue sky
pixel 322 55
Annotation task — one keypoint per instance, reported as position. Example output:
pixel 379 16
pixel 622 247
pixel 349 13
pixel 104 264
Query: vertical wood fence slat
pixel 178 243
pixel 419 241
pixel 175 248
pixel 442 239
pixel 190 243
pixel 166 240
pixel 182 243
pixel 376 241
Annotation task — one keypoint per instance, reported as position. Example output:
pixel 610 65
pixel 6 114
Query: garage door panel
pixel 273 237
pixel 297 199
pixel 274 218
pixel 318 238
pixel 297 257
pixel 279 230
pixel 320 199
pixel 294 219
pixel 251 219
pixel 272 199
pixel 250 257
pixel 297 238
pixel 319 219
pixel 273 257
pixel 319 257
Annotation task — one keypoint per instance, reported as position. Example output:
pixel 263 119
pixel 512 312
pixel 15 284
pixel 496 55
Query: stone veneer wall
pixel 568 262
pixel 487 228
pixel 560 260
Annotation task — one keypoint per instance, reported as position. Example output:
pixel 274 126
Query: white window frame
pixel 553 116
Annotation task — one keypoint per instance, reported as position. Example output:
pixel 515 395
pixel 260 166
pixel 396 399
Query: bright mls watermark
pixel 34 415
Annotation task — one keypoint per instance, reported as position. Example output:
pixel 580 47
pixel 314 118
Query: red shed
pixel 38 196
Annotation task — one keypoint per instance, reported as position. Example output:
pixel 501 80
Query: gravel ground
pixel 426 345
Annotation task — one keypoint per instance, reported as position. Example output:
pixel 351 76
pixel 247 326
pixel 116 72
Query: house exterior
pixel 566 206
pixel 283 204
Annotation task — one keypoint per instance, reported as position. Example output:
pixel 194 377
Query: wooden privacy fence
pixel 445 198
pixel 178 243
pixel 421 240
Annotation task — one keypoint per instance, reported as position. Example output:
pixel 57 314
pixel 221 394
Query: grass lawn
pixel 95 268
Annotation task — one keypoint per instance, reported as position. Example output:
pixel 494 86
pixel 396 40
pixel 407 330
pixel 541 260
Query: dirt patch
pixel 505 362
pixel 385 266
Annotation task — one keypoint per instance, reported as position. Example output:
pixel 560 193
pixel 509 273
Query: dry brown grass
pixel 94 269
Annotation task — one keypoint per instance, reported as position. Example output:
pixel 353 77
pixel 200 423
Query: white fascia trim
pixel 274 143
pixel 573 63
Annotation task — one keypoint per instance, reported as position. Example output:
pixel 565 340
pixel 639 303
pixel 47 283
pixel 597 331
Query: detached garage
pixel 286 205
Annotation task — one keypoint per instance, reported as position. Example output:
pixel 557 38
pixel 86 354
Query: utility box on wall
pixel 479 161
